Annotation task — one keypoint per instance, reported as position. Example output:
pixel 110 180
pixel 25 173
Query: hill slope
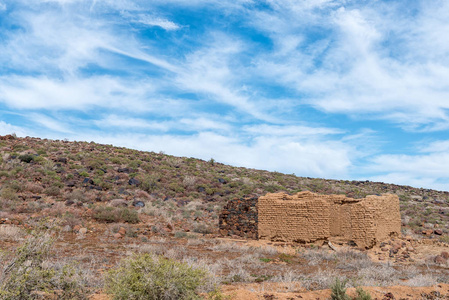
pixel 36 173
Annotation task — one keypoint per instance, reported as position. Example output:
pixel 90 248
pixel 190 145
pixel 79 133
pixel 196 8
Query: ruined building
pixel 307 217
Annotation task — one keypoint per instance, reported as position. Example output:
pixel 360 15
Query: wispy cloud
pixel 156 21
pixel 317 87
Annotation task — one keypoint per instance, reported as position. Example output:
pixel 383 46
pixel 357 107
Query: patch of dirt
pixel 258 292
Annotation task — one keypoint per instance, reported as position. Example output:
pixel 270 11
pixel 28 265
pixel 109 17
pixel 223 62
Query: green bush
pixel 27 273
pixel 362 294
pixel 339 290
pixel 154 277
pixel 52 191
pixel 10 194
pixel 27 158
pixel 113 214
pixel 84 174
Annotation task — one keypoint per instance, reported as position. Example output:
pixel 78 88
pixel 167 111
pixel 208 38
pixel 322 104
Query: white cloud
pixel 374 61
pixel 6 128
pixel 321 159
pixel 2 6
pixel 50 123
pixel 426 169
pixel 290 130
pixel 45 93
pixel 156 21
pixel 131 123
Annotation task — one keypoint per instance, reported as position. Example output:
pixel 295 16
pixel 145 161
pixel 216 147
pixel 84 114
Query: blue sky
pixel 321 88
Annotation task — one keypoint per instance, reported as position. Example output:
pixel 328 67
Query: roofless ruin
pixel 307 217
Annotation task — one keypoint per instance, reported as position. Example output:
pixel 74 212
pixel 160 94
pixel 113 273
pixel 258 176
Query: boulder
pixel 122 231
pixel 438 232
pixel 137 203
pixel 133 181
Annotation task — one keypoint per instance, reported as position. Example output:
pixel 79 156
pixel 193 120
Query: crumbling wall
pixel 308 217
pixel 239 217
pixel 387 215
pixel 286 218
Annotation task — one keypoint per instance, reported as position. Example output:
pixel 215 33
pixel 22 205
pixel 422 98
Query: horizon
pixel 218 162
pixel 348 90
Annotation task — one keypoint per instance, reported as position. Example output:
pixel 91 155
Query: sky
pixel 336 89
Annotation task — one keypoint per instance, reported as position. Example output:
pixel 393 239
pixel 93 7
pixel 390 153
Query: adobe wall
pixel 308 217
pixel 294 219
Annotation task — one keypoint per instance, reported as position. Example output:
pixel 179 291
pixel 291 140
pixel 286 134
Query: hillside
pixel 38 172
pixel 100 204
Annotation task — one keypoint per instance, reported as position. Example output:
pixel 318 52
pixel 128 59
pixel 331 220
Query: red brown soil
pixel 243 292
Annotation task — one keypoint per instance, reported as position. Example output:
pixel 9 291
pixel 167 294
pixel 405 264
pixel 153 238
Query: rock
pixel 122 231
pixel 133 181
pixel 66 228
pixel 444 255
pixel 384 249
pixel 438 232
pixel 391 253
pixel 427 232
pixel 137 203
pixel 201 189
pixel 83 230
pixel 69 202
pixel 87 180
pixel 180 203
pixel 124 170
pixel 76 228
pixel 389 296
pixel 396 247
pixel 410 249
pixel 118 235
pixel 439 260
pixel 70 183
pixel 221 180
pixel 61 160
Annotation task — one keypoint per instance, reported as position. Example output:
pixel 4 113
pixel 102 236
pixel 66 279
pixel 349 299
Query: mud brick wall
pixel 239 217
pixel 308 217
pixel 387 215
pixel 284 218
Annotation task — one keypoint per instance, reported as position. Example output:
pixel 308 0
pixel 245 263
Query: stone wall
pixel 307 217
pixel 239 217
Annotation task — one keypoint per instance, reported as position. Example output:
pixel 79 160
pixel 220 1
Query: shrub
pixel 28 273
pixel 77 195
pixel 362 294
pixel 113 214
pixel 84 174
pixel 27 158
pixel 52 191
pixel 8 193
pixel 339 290
pixel 154 277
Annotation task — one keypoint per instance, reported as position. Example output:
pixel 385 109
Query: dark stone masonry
pixel 239 217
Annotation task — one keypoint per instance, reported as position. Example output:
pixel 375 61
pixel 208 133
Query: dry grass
pixel 421 280
pixel 11 233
